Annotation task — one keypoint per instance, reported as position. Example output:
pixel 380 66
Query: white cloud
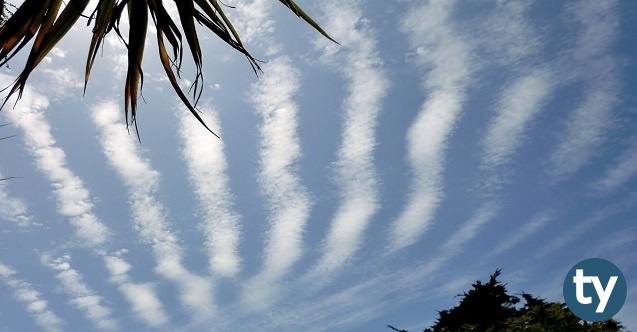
pixel 588 123
pixel 518 105
pixel 616 245
pixel 355 172
pixel 587 225
pixel 34 304
pixel 621 171
pixel 207 170
pixel 117 267
pixel 145 303
pixel 73 198
pixel 5 271
pixel 74 201
pixel 141 297
pixel 280 150
pixel 530 227
pixel 440 49
pixel 62 83
pixel 626 315
pixel 82 297
pixel 14 209
pixel 598 25
pixel 149 215
pixel 585 130
pixel 468 230
pixel 452 247
pixel 427 142
pixel 253 23
pixel 508 37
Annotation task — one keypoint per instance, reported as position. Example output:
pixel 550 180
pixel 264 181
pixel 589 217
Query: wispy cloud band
pixel 207 170
pixel 141 297
pixel 13 209
pixel 585 128
pixel 355 171
pixel 280 151
pixel 148 214
pixel 34 304
pixel 73 198
pixel 82 297
pixel 442 50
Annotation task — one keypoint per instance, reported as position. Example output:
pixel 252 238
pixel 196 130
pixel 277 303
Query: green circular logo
pixel 595 289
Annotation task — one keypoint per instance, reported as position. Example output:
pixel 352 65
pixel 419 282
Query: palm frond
pixel 50 27
pixel 102 14
pixel 3 138
pixel 138 20
pixel 41 22
pixel 303 15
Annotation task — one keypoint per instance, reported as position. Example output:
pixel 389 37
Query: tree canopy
pixel 488 307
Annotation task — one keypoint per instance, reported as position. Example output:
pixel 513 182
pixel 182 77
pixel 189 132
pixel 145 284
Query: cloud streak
pixel 587 225
pixel 452 247
pixel 73 198
pixel 519 104
pixel 355 172
pixel 438 47
pixel 207 170
pixel 621 171
pixel 280 151
pixel 254 22
pixel 14 209
pixel 534 225
pixel 34 304
pixel 376 294
pixel 141 297
pixel 148 214
pixel 82 297
pixel 587 124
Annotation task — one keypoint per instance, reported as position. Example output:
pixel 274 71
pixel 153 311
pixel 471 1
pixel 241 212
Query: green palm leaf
pixel 138 18
pixel 102 15
pixel 38 20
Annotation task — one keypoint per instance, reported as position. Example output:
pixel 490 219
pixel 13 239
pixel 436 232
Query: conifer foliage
pixel 488 307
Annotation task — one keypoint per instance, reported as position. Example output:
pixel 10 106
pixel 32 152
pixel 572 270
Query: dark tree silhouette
pixel 484 307
pixel 488 307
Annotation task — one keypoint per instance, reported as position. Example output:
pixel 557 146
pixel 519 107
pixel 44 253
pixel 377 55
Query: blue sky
pixel 353 186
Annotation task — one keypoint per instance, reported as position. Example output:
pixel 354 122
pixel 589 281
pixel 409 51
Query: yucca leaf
pixel 1 138
pixel 227 22
pixel 138 21
pixel 60 28
pixel 186 11
pixel 2 125
pixel 53 8
pixel 50 37
pixel 102 14
pixel 169 29
pixel 165 61
pixel 300 13
pixel 216 26
pixel 39 19
pixel 20 28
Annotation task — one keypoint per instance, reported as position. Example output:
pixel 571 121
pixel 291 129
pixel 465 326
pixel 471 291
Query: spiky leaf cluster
pixel 46 22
